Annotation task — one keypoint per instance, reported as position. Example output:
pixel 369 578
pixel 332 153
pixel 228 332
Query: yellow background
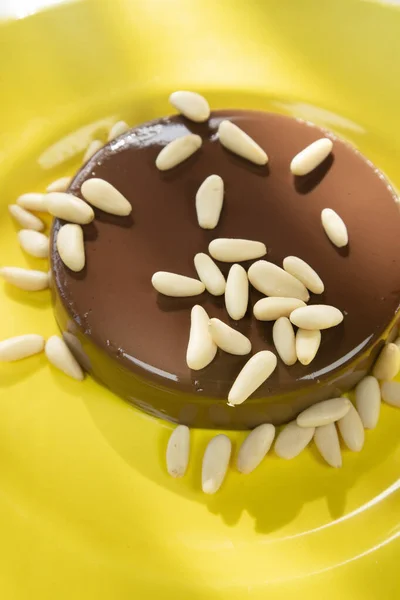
pixel 86 508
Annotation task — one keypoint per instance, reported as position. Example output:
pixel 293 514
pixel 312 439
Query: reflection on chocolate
pixel 136 340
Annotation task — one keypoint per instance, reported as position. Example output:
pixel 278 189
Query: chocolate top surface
pixel 112 299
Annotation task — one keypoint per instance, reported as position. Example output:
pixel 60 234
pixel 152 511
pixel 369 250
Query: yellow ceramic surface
pixel 87 510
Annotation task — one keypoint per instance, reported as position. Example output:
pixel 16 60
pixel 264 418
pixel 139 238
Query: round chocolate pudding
pixel 134 340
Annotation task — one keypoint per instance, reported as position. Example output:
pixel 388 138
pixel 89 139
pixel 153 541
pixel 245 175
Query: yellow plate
pixel 86 508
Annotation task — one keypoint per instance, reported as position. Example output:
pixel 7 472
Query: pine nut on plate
pixel 190 104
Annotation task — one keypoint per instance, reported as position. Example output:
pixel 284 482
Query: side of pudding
pixel 134 339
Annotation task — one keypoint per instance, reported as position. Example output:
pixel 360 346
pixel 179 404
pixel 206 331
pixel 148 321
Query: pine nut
pixel 303 272
pixel 257 370
pixel 308 159
pixel 388 363
pixel 178 451
pixel 307 345
pixel 209 274
pixel 21 346
pixel 60 356
pixel 284 340
pixel 271 280
pixel 178 151
pixel 191 105
pixel 24 218
pixel 237 292
pixel 236 250
pixel 334 227
pixel 177 286
pixel 25 279
pixel 106 197
pixel 352 430
pixel 59 185
pixel 255 447
pixel 327 442
pixel 117 129
pixel 272 308
pixel 237 141
pixel 292 440
pixel 368 401
pixel 91 150
pixel 215 463
pixel 391 392
pixel 34 243
pixel 32 201
pixel 316 316
pixel 70 246
pixel 69 208
pixel 201 348
pixel 209 200
pixel 324 413
pixel 228 339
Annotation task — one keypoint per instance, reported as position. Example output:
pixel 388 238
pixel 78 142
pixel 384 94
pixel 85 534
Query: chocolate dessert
pixel 134 340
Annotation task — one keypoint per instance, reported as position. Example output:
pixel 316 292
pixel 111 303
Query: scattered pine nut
pixel 209 274
pixel 178 451
pixel 70 246
pixel 191 105
pixel 237 292
pixel 307 345
pixel 272 308
pixel 209 200
pixel 292 440
pixel 228 339
pixel 324 412
pixel 34 243
pixel 106 197
pixel 33 201
pixel 271 280
pixel 60 356
pixel 388 363
pixel 21 346
pixel 352 430
pixel 257 370
pixel 69 208
pixel 236 250
pixel 303 272
pixel 368 401
pixel 177 286
pixel 117 129
pixel 334 227
pixel 254 448
pixel 308 159
pixel 178 151
pixel 25 279
pixel 316 316
pixel 391 392
pixel 201 348
pixel 91 150
pixel 215 463
pixel 238 142
pixel 24 218
pixel 327 442
pixel 284 340
pixel 59 185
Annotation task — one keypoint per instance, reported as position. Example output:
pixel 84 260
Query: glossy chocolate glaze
pixel 135 340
